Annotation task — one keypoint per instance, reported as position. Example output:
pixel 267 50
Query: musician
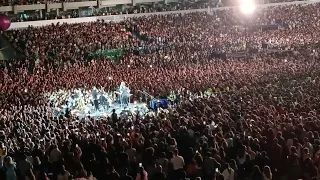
pixel 94 93
pixel 81 104
pixel 122 87
pixel 95 98
pixel 104 101
pixel 124 94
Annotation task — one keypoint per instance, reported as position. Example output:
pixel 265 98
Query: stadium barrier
pixel 117 18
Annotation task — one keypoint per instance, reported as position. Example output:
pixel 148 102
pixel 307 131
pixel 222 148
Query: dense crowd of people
pixel 250 118
pixel 139 8
pixel 187 4
pixel 222 31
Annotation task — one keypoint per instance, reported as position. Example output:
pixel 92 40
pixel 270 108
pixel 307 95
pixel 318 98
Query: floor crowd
pixel 260 120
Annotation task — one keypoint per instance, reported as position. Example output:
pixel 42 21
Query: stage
pixel 95 103
pixel 89 110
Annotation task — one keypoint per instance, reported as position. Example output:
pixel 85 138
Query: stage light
pixel 247 7
pixel 135 102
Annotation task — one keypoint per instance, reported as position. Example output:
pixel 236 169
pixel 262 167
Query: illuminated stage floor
pixel 89 110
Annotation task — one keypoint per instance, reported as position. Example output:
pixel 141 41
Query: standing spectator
pixel 177 161
pixel 37 167
pixel 256 174
pixel 64 174
pixel 267 174
pixel 159 175
pixel 293 164
pixel 9 169
pixel 126 176
pixel 309 169
pixel 3 152
pixel 163 162
pixel 276 156
pixel 228 172
pixel 112 174
pixel 24 166
pixel 55 154
pixel 209 165
pixel 30 175
pixel 234 166
pixel 114 116
pixel 142 175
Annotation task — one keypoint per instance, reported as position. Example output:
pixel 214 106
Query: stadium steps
pixel 7 51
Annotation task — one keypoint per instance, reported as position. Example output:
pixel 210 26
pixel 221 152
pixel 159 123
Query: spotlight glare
pixel 247 7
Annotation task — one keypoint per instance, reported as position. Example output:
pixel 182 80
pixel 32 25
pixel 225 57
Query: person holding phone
pixel 142 174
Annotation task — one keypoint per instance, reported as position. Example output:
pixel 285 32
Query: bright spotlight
pixel 247 7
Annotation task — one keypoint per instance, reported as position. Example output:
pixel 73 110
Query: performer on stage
pixel 81 103
pixel 124 93
pixel 95 98
pixel 71 102
pixel 104 101
pixel 94 93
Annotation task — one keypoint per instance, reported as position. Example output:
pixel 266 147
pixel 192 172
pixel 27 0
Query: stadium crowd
pixel 139 8
pixel 187 4
pixel 260 121
pixel 222 32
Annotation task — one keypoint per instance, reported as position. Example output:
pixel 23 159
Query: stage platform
pixel 80 103
pixel 89 110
